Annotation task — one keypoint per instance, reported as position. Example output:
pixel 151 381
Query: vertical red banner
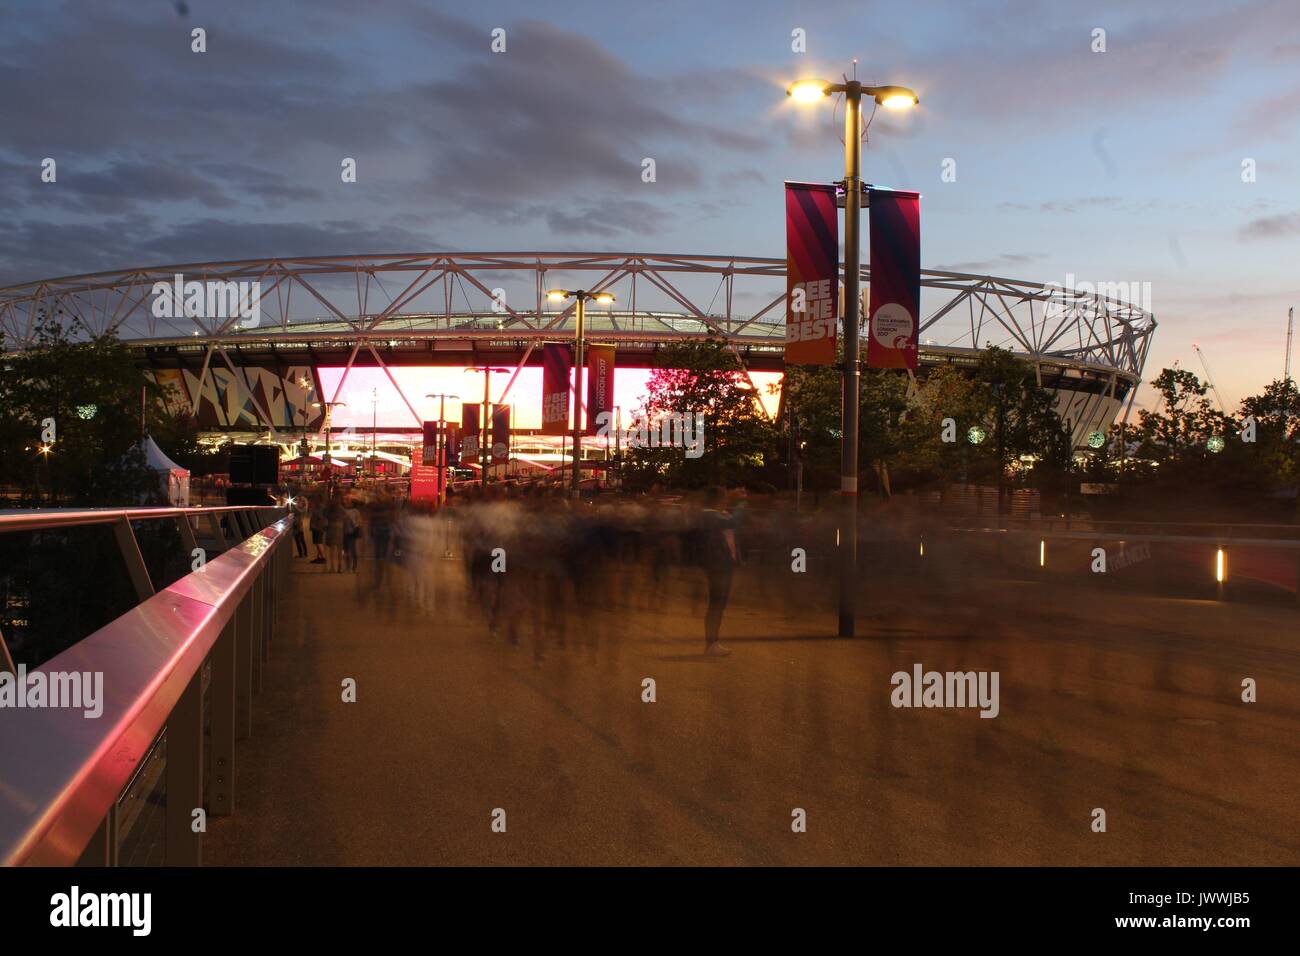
pixel 557 361
pixel 470 431
pixel 600 385
pixel 500 433
pixel 452 449
pixel 895 304
pixel 424 465
pixel 812 271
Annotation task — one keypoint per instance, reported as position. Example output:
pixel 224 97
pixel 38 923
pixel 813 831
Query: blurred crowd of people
pixel 532 563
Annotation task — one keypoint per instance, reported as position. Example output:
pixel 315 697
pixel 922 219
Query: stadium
pixel 375 339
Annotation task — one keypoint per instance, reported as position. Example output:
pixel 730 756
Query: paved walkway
pixel 1127 703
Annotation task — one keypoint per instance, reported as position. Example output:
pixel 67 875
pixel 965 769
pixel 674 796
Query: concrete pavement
pixel 1126 703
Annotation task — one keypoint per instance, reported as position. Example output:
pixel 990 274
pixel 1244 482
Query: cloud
pixel 36 249
pixel 1272 227
pixel 989 266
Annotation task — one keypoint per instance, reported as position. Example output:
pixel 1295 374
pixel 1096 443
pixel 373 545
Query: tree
pixel 705 378
pixel 82 392
pixel 1179 430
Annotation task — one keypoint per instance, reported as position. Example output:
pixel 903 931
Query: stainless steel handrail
pixel 35 520
pixel 61 773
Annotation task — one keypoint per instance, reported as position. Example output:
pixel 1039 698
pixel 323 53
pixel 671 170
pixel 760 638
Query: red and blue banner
pixel 812 273
pixel 451 446
pixel 557 362
pixel 469 428
pixel 500 433
pixel 895 308
pixel 600 385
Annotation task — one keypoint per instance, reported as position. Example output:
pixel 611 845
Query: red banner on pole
pixel 424 465
pixel 557 361
pixel 452 448
pixel 895 311
pixel 600 385
pixel 470 431
pixel 812 273
pixel 500 433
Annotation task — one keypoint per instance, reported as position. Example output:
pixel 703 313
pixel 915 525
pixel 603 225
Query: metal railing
pixel 201 639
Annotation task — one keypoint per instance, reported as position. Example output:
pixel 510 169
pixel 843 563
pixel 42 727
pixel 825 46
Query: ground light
pixel 1220 568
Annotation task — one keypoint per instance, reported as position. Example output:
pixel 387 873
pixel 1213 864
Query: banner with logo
pixel 895 306
pixel 452 448
pixel 600 385
pixel 557 360
pixel 424 477
pixel 470 432
pixel 500 433
pixel 812 273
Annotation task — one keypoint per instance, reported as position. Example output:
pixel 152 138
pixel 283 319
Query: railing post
pixel 258 613
pixel 214 522
pixel 134 560
pixel 221 770
pixel 244 668
pixel 270 582
pixel 188 540
pixel 185 775
pixel 102 848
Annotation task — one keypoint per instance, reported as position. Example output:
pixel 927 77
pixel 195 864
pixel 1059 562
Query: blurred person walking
pixel 299 511
pixel 316 516
pixel 351 532
pixel 334 536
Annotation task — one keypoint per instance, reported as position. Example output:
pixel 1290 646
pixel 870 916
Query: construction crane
pixel 1209 378
pixel 1290 327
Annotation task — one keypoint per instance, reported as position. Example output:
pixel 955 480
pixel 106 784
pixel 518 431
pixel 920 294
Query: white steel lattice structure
pixel 373 308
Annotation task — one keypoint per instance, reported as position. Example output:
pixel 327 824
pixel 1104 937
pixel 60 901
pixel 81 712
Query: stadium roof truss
pixel 484 295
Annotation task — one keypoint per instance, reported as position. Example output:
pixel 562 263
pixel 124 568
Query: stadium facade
pixel 258 349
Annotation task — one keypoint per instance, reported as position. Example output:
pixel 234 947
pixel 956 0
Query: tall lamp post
pixel 440 452
pixel 485 448
pixel 329 412
pixel 580 297
pixel 894 98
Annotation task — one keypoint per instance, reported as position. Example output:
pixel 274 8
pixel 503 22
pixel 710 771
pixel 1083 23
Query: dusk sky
pixel 1116 166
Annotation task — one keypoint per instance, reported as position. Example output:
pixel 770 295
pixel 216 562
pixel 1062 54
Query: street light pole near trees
pixel 894 98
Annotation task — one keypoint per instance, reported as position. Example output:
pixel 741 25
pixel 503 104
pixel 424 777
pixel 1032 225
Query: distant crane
pixel 1209 377
pixel 1290 327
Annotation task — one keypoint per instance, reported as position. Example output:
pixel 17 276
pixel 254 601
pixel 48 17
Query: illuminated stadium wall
pixel 228 403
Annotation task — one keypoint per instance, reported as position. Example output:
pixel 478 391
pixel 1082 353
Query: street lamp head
pixel 557 295
pixel 808 91
pixel 895 97
pixel 604 298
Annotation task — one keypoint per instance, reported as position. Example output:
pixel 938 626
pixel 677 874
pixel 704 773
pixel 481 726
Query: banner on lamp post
pixel 812 273
pixel 452 447
pixel 500 433
pixel 600 385
pixel 895 300
pixel 424 465
pixel 557 362
pixel 470 431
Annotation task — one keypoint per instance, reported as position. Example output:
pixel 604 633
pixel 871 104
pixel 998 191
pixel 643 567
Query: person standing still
pixel 720 558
